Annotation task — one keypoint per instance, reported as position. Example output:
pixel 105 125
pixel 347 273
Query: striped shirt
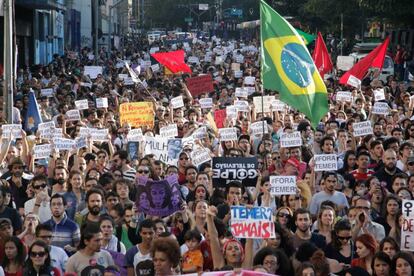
pixel 65 232
pixel 130 174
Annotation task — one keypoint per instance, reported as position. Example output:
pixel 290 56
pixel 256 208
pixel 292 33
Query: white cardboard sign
pixel 200 156
pixel 362 128
pixel 15 129
pixel 48 92
pixel 169 131
pixel 289 140
pixel 82 104
pixel 228 134
pixel 258 128
pixel 177 102
pixel 101 102
pixel 64 144
pixel 325 162
pixel 135 135
pixel 93 71
pixel 42 151
pixel 380 108
pixel 249 80
pixel 282 185
pixel 73 115
pixel 242 105
pixel 379 94
pixel 263 106
pixel 241 92
pixel 344 96
pixel 206 103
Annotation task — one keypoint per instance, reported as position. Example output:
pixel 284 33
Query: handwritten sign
pixel 288 140
pixel 362 128
pixel 263 105
pixel 238 74
pixel 249 80
pixel 82 104
pixel 98 134
pixel 200 133
pixel 344 96
pixel 354 81
pixel 282 185
pixel 73 115
pixel 344 63
pixel 206 103
pixel 242 105
pixel 277 105
pixel 93 71
pixel 64 144
pixel 177 102
pixel 241 92
pixel 379 94
pixel 231 112
pixel 407 228
pixel 135 135
pixel 200 156
pixel 169 131
pixel 252 223
pixel 325 162
pixel 14 129
pixel 380 108
pixel 42 151
pixel 258 128
pixel 45 129
pixel 48 92
pixel 199 85
pixel 137 114
pixel 101 102
pixel 228 134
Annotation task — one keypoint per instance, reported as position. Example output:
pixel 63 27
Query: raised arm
pixel 218 259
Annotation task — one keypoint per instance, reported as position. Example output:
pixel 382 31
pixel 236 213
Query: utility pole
pixel 342 32
pixel 9 76
pixel 96 14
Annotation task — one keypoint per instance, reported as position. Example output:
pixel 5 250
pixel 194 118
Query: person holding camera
pixel 363 222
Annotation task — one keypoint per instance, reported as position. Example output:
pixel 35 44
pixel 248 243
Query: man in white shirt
pixel 40 204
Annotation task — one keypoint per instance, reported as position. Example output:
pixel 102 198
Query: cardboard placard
pixel 238 74
pixel 48 92
pixel 45 129
pixel 258 128
pixel 379 94
pixel 73 115
pixel 241 92
pixel 82 104
pixel 277 105
pixel 228 134
pixel 249 80
pixel 135 135
pixel 407 228
pixel 289 140
pixel 93 71
pixel 252 223
pixel 325 162
pixel 200 133
pixel 282 185
pixel 242 106
pixel 98 134
pixel 354 81
pixel 344 96
pixel 231 112
pixel 15 129
pixel 137 114
pixel 381 108
pixel 344 63
pixel 226 169
pixel 42 151
pixel 235 66
pixel 64 144
pixel 206 103
pixel 169 131
pixel 263 105
pixel 101 102
pixel 177 102
pixel 200 156
pixel 362 128
pixel 193 59
pixel 200 85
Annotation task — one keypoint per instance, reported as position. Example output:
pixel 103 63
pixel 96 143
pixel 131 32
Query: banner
pixel 226 169
pixel 159 147
pixel 137 114
pixel 282 185
pixel 252 223
pixel 158 198
pixel 200 85
pixel 407 228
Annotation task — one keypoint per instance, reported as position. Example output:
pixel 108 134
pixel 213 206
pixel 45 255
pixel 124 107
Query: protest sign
pixel 86 84
pixel 177 102
pixel 380 108
pixel 263 105
pixel 407 228
pixel 252 223
pixel 200 156
pixel 48 92
pixel 250 90
pixel 249 80
pixel 199 85
pixel 219 60
pixel 344 63
pixel 282 185
pixel 220 117
pixel 93 71
pixel 379 94
pixel 42 151
pixel 14 129
pixel 226 169
pixel 101 102
pixel 57 133
pixel 228 134
pixel 80 142
pixel 231 112
pixel 241 92
pixel 206 103
pixel 82 104
pixel 98 134
pixel 155 67
pixel 158 198
pixel 193 59
pixel 137 114
pixel 277 105
pixel 362 128
pixel 240 59
pixel 159 147
pixel 73 115
pixel 344 96
pixel 135 135
pixel 133 150
pixel 258 128
pixel 242 106
pixel 325 162
pixel 45 129
pixel 354 81
pixel 63 143
pixel 289 140
pixel 200 133
pixel 83 132
pixel 123 76
pixel 169 131
pixel 238 74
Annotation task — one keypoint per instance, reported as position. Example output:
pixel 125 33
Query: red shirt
pixel 361 176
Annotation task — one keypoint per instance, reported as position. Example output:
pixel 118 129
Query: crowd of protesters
pixel 75 213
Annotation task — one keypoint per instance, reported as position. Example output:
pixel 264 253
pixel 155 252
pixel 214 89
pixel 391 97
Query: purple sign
pixel 158 198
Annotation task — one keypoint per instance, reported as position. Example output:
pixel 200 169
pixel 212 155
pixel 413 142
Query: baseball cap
pixel 294 162
pixel 4 222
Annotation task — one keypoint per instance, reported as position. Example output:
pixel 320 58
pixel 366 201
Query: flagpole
pixel 261 70
pixel 342 32
pixel 8 59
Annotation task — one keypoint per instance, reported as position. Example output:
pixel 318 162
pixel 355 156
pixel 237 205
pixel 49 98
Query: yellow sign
pixel 137 114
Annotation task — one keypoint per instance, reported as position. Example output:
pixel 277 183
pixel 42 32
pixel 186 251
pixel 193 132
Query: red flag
pixel 321 56
pixel 174 61
pixel 374 59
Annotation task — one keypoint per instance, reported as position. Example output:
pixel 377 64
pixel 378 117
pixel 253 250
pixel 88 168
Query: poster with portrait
pixel 158 198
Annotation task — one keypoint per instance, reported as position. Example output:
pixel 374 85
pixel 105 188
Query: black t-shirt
pixel 12 214
pixel 333 253
pixel 383 176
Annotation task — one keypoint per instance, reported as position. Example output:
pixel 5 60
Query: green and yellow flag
pixel 287 66
pixel 307 38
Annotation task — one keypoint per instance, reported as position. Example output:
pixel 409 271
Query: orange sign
pixel 137 114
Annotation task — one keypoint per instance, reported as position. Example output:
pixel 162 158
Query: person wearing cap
pixel 330 180
pixel 410 165
pixel 292 166
pixel 9 213
pixel 18 184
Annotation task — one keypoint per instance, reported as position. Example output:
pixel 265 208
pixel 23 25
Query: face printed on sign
pixel 158 194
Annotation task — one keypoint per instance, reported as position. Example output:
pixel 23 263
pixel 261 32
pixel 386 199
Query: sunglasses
pixel 276 158
pixel 40 186
pixel 37 254
pixel 281 215
pixel 234 155
pixel 101 156
pixel 184 158
pixel 344 238
pixel 143 171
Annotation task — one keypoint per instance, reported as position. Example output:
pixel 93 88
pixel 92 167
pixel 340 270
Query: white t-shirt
pixel 58 257
pixel 44 210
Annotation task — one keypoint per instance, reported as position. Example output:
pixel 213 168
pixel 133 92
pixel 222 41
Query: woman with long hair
pixel 341 247
pixel 284 217
pixel 75 193
pixel 274 261
pixel 325 222
pixel 391 210
pixel 110 241
pixel 38 263
pixel 366 246
pixel 14 257
pixel 282 240
pixel 403 264
pixel 349 163
pixel 381 264
pixel 389 246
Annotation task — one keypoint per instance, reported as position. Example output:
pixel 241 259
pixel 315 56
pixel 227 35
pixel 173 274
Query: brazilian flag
pixel 287 66
pixel 307 38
